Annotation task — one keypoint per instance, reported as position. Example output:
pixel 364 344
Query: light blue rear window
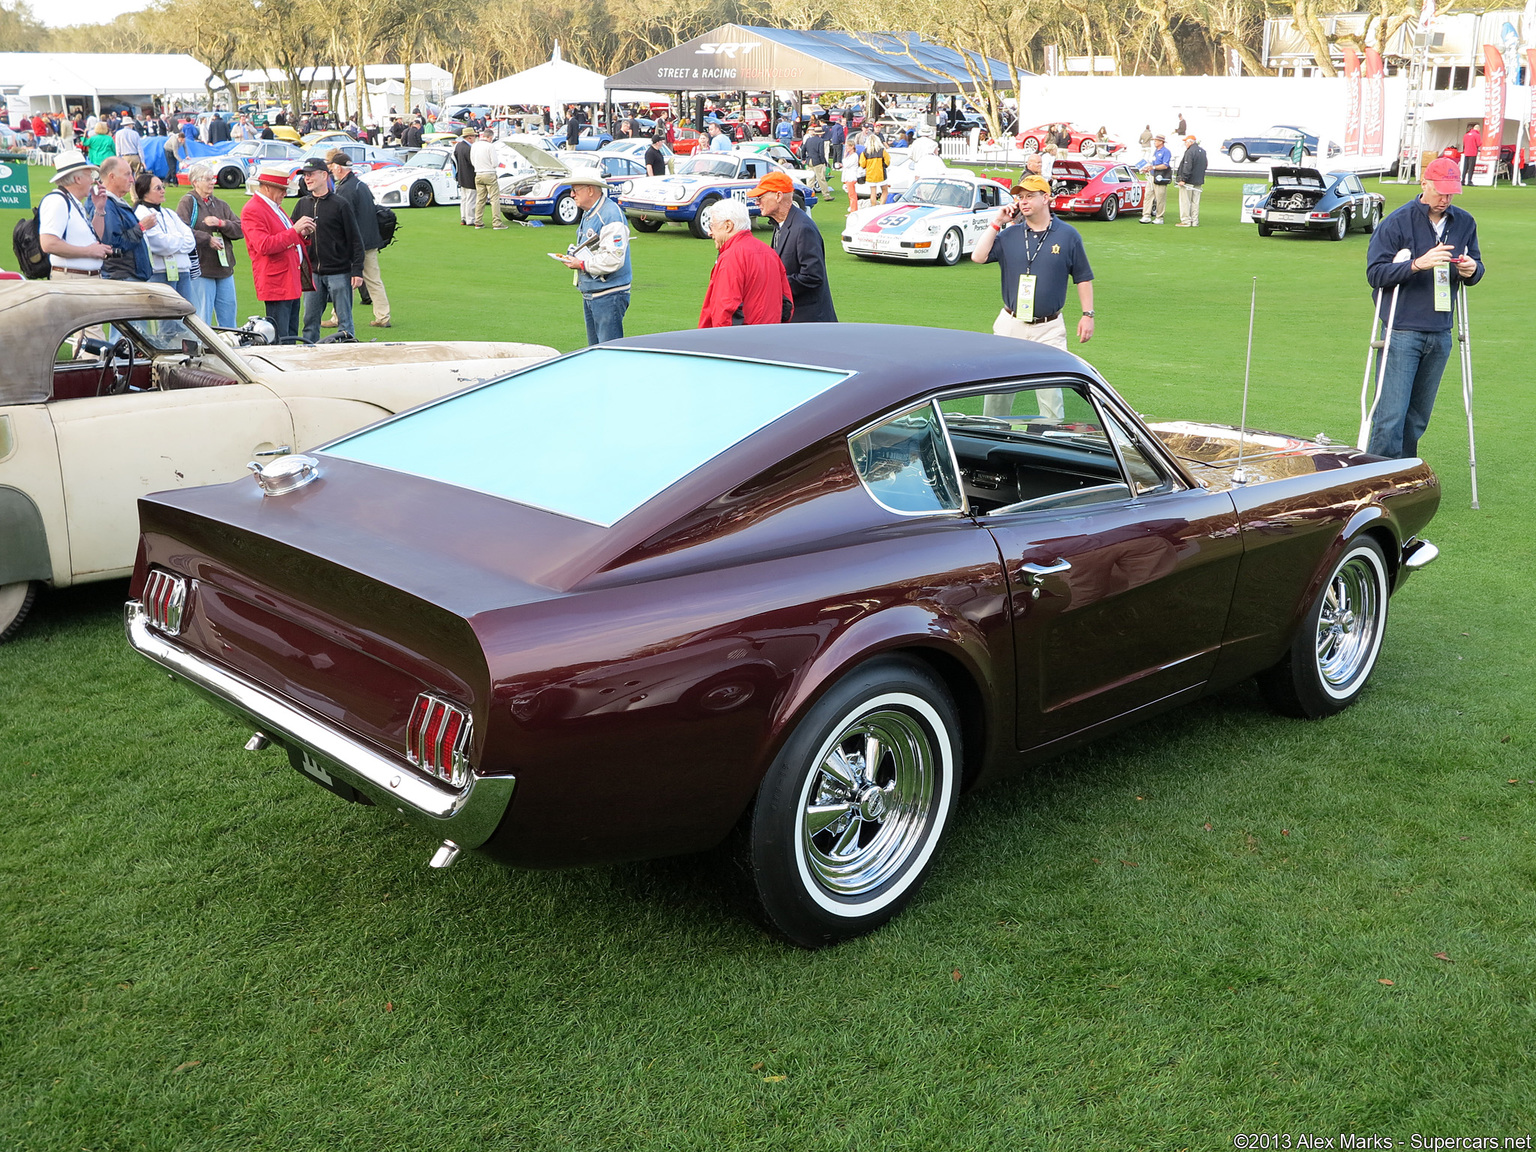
pixel 591 436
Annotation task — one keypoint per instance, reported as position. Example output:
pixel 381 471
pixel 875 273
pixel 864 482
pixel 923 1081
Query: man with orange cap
pixel 1426 250
pixel 798 242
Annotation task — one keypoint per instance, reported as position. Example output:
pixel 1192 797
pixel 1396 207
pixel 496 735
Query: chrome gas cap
pixel 285 473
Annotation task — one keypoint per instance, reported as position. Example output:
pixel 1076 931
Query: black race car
pixel 1306 200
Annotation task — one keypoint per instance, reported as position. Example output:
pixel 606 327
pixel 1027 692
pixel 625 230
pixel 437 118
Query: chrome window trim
pixel 947 513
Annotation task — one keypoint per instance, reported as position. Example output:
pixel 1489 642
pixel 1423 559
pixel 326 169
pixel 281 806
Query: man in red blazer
pixel 276 249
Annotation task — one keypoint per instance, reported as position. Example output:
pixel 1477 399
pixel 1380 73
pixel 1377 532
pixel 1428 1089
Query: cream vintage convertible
pixel 110 390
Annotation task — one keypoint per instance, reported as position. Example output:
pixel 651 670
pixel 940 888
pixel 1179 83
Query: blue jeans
pixel 216 304
pixel 284 315
pixel 191 290
pixel 605 316
pixel 1408 387
pixel 336 290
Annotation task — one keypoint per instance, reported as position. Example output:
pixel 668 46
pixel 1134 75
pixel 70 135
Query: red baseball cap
pixel 1443 176
pixel 773 182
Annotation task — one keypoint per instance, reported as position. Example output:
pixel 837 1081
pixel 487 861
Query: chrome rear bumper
pixel 466 817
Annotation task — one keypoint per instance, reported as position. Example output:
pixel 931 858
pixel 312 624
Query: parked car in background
pixel 1085 144
pixel 165 402
pixel 813 616
pixel 1099 188
pixel 637 150
pixel 940 219
pixel 700 182
pixel 544 188
pixel 429 177
pixel 1306 200
pixel 365 158
pixel 1278 142
pixel 591 139
pixel 237 166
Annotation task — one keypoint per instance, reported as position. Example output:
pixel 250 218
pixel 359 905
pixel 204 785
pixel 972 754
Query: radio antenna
pixel 1238 475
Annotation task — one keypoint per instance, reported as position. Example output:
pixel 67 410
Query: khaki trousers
pixel 485 193
pixel 375 284
pixel 467 205
pixel 1189 205
pixel 1157 201
pixel 1053 333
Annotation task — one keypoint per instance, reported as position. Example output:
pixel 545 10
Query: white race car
pixel 429 176
pixel 940 218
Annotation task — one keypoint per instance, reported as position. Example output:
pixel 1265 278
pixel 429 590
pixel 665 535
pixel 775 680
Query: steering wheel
pixel 121 378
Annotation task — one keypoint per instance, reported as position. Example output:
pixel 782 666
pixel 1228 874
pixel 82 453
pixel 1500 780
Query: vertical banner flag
pixel 1352 101
pixel 1493 116
pixel 1426 16
pixel 1371 111
pixel 1530 125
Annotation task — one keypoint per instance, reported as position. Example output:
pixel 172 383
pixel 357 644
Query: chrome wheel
pixel 1029 145
pixel 1349 625
pixel 949 248
pixel 1335 647
pixel 566 210
pixel 850 813
pixel 866 806
pixel 1088 149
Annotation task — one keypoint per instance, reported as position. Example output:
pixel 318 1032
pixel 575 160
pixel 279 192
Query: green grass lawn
pixel 1220 922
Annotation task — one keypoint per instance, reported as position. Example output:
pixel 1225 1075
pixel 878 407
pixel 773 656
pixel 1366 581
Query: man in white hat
pixel 64 231
pixel 600 257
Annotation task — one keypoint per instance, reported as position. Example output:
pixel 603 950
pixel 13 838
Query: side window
pixel 1141 466
pixel 1352 184
pixel 749 170
pixel 905 464
pixel 1041 447
pixel 988 197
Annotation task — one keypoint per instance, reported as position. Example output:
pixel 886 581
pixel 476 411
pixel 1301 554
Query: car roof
pixel 36 315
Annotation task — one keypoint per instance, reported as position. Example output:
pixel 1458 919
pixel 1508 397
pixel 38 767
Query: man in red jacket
pixel 275 248
pixel 747 284
pixel 1470 143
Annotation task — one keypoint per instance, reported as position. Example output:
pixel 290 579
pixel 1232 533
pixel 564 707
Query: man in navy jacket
pixel 1426 250
pixel 797 240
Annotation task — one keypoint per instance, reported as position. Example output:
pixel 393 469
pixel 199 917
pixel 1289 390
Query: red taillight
pixel 165 598
pixel 437 738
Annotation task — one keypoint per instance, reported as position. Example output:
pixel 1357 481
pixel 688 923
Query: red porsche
pixel 1099 188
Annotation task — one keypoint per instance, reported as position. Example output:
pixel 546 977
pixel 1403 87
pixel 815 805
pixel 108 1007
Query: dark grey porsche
pixel 1306 200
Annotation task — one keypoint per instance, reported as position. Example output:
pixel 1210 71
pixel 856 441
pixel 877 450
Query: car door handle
pixel 1036 573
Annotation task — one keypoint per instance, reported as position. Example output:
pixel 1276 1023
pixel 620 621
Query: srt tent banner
pixel 1352 101
pixel 1493 116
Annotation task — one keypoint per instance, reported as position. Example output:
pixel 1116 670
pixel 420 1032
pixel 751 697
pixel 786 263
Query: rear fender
pixel 25 555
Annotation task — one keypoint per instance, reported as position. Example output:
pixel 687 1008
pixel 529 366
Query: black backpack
pixel 32 262
pixel 389 224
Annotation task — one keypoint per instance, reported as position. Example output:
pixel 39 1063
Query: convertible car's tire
pixel 230 178
pixel 1237 154
pixel 15 602
pixel 699 225
pixel 647 225
pixel 1339 638
pixel 851 811
pixel 950 247
pixel 421 194
pixel 1340 227
pixel 1111 207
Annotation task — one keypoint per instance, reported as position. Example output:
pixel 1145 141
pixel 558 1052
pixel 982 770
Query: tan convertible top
pixel 36 316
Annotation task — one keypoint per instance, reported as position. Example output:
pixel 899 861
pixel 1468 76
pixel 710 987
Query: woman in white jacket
pixel 172 245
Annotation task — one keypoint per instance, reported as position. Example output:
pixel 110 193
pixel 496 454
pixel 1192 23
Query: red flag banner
pixel 1493 116
pixel 1530 128
pixel 1372 95
pixel 1352 101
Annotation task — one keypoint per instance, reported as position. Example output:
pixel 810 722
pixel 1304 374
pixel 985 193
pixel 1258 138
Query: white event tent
pixel 53 81
pixel 553 83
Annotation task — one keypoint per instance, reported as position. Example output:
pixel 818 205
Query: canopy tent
pixel 1446 120
pixel 39 81
pixel 551 84
pixel 738 57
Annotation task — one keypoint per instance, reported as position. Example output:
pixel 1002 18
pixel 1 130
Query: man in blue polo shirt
pixel 1037 253
pixel 1427 250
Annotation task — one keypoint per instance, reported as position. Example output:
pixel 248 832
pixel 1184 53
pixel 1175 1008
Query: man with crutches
pixel 1419 259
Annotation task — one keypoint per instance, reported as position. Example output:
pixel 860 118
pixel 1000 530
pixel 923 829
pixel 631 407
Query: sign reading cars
pixel 15 186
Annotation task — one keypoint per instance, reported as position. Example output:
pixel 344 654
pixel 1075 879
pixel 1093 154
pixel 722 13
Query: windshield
pixel 947 193
pixel 160 335
pixel 709 166
pixel 591 436
pixel 425 160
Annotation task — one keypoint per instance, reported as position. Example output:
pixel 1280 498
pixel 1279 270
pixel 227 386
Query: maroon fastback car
pixel 623 602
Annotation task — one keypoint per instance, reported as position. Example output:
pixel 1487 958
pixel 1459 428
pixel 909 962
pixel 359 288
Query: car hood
pixel 895 219
pixel 538 159
pixel 388 177
pixel 1210 453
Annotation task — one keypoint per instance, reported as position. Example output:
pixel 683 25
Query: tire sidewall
pixel 1315 692
pixel 794 901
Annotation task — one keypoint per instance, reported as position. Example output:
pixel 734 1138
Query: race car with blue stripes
pixel 939 218
pixel 701 182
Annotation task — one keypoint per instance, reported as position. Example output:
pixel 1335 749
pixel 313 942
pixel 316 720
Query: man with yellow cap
pixel 1037 253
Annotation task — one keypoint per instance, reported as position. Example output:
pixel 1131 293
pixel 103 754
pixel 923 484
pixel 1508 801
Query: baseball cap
pixel 1190 139
pixel 1443 176
pixel 314 164
pixel 1032 183
pixel 773 182
pixel 339 158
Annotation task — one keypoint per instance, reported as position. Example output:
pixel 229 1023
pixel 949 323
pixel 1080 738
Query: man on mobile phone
pixel 1037 254
pixel 1426 250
